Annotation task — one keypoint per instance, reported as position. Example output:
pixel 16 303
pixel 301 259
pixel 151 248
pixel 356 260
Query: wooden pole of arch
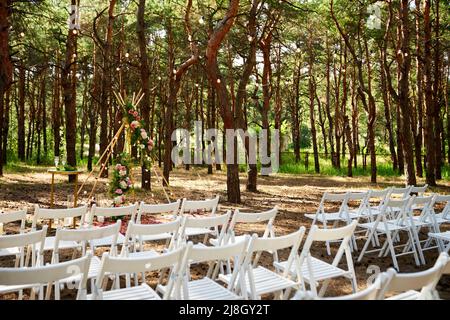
pixel 109 149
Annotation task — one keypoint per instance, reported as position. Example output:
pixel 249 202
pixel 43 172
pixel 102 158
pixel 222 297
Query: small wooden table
pixel 75 193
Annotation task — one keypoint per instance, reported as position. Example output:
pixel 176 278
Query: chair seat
pixel 207 289
pixel 204 289
pixel 9 252
pixel 236 239
pixel 49 244
pixel 442 235
pixel 321 270
pixel 332 216
pixel 107 241
pixel 142 292
pixel 381 227
pixel 265 281
pixel 408 295
pixel 197 231
pixel 419 222
pixel 445 219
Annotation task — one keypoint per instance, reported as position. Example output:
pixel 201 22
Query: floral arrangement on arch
pixel 136 135
pixel 139 136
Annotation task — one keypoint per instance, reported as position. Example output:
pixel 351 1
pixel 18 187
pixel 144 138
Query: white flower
pixel 142 146
pixel 123 184
pixel 118 200
pixel 144 135
pixel 122 173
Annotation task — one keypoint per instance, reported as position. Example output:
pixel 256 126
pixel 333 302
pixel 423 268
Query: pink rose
pixel 134 125
pixel 135 114
pixel 118 166
pixel 119 191
pixel 150 142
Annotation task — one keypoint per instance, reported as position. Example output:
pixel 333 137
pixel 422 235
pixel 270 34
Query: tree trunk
pixel 430 107
pixel 404 65
pixel 21 114
pixel 437 94
pixel 69 94
pixel 5 67
pixel 418 137
pixel 145 74
pixel 212 70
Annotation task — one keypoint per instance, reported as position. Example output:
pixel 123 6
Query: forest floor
pixel 295 195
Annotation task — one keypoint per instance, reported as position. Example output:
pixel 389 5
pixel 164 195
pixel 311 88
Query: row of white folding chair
pixel 30 253
pixel 260 280
pixel 406 286
pixel 404 221
pixel 247 279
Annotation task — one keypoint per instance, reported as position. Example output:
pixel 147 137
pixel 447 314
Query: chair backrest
pixel 136 231
pixel 41 213
pixel 209 222
pixel 144 208
pixel 33 240
pixel 343 234
pixel 258 245
pixel 47 275
pixel 360 199
pixel 425 281
pixel 240 217
pixel 116 265
pixel 236 251
pixel 378 196
pixel 401 207
pixel 340 199
pixel 441 199
pixel 422 204
pixel 402 192
pixel 192 206
pixel 418 190
pixel 8 217
pixel 84 235
pixel 113 212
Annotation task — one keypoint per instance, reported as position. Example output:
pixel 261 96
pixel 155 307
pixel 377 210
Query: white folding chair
pixel 266 218
pixel 260 280
pixel 199 207
pixel 23 246
pixel 85 236
pixel 6 218
pixel 334 217
pixel 136 233
pixel 213 223
pixel 173 260
pixel 14 216
pixel 443 216
pixel 415 286
pixel 119 212
pixel 424 219
pixel 314 270
pixel 47 275
pixel 391 229
pixel 206 288
pixel 153 209
pixel 63 217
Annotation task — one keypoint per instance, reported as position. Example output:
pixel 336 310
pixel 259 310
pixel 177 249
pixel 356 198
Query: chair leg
pixel 415 235
pixel 392 249
pixel 324 287
pixel 366 245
